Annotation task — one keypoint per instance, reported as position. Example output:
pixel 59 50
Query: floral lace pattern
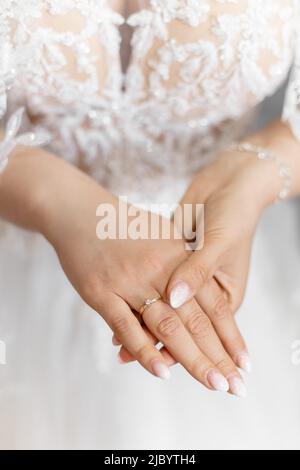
pixel 197 67
pixel 7 74
pixel 11 139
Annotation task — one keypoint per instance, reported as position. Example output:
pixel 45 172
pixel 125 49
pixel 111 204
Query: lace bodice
pixel 195 70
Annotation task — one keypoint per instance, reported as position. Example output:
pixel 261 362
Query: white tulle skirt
pixel 62 387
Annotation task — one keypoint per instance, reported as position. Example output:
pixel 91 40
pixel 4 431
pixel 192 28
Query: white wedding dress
pixel 195 72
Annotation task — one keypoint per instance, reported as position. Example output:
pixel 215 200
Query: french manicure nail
pixel 180 294
pixel 244 362
pixel 217 381
pixel 237 387
pixel 161 370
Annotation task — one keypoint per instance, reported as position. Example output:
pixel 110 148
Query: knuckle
pixel 143 353
pixel 238 303
pixel 94 284
pixel 121 325
pixel 92 292
pixel 168 327
pixel 199 273
pixel 90 287
pixel 199 324
pixel 129 271
pixel 237 342
pixel 221 308
pixel 198 367
pixel 153 260
pixel 225 366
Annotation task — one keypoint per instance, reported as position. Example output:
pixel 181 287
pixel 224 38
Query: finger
pixel 116 341
pixel 127 328
pixel 125 357
pixel 215 304
pixel 192 274
pixel 170 360
pixel 202 331
pixel 165 324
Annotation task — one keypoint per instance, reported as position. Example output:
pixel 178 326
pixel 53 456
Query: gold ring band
pixel 147 304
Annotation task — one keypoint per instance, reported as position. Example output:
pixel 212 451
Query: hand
pixel 116 276
pixel 234 189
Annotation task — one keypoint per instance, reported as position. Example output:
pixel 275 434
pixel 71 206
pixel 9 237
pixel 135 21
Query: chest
pixel 181 58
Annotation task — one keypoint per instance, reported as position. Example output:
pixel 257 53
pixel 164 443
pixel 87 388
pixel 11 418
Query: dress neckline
pixel 125 30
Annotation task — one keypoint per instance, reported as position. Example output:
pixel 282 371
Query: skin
pixel 235 189
pixel 42 193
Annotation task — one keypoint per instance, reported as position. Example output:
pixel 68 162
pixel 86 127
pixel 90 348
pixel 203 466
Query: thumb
pixel 193 273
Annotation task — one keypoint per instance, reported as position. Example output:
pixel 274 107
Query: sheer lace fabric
pixel 196 69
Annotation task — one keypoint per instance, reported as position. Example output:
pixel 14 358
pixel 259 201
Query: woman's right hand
pixel 115 277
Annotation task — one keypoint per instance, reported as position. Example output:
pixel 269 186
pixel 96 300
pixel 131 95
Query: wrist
pixel 259 174
pixel 50 177
pixel 279 140
pixel 256 182
pixel 68 204
pixel 23 186
pixel 267 163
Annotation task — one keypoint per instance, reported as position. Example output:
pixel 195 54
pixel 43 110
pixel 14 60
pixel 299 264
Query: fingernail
pixel 180 294
pixel 217 381
pixel 237 387
pixel 161 370
pixel 120 360
pixel 244 362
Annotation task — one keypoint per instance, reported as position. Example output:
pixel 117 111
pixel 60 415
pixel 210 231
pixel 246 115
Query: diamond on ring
pixel 147 304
